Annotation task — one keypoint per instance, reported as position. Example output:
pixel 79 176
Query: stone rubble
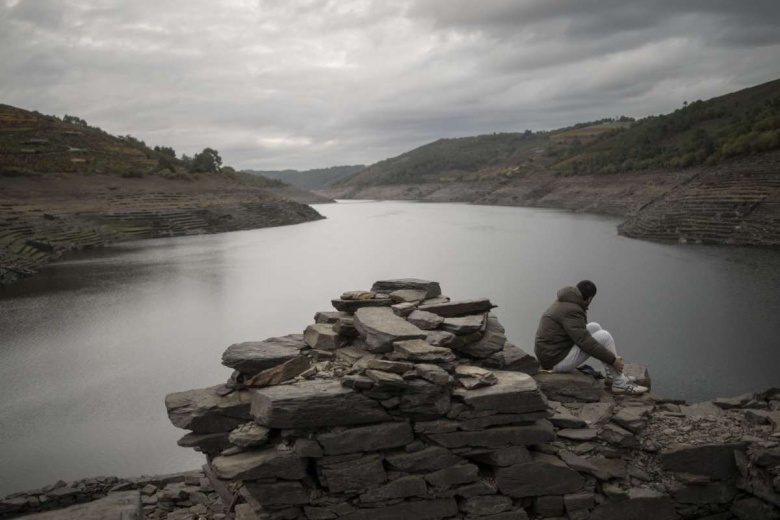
pixel 402 404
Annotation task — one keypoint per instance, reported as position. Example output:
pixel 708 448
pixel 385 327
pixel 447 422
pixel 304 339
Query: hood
pixel 572 295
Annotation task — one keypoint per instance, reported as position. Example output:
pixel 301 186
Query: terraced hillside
pixel 66 187
pixel 733 203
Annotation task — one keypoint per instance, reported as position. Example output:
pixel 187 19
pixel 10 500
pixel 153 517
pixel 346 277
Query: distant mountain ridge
pixel 708 172
pixel 310 179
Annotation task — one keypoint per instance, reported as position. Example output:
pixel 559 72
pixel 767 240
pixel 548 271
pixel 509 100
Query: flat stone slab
pixel 515 392
pixel 419 351
pixel 432 289
pixel 255 356
pixel 513 357
pixel 322 337
pixel 354 305
pixel 353 475
pixel 407 295
pixel 570 387
pixel 650 507
pixel 278 493
pixel 543 475
pixel 432 458
pixel 459 308
pixel 500 437
pixel 205 411
pixel 579 434
pixel 314 404
pixel 464 325
pixel 713 460
pixel 260 464
pixel 367 438
pixel 124 505
pixel 417 510
pixel 425 320
pixel 381 327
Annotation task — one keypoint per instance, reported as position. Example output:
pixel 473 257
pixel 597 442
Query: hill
pixel 722 155
pixel 65 185
pixel 310 179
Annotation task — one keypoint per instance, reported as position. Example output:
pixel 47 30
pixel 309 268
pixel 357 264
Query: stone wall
pixel 402 404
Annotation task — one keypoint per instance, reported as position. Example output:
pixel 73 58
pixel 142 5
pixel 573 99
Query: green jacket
pixel 562 326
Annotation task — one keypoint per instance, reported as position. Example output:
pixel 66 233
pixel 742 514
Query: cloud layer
pixel 313 83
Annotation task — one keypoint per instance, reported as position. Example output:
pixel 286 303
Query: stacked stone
pixel 404 404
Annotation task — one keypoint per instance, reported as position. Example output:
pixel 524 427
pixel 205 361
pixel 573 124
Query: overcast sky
pixel 302 84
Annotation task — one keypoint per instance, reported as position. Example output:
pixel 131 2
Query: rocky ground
pixel 404 404
pixel 43 217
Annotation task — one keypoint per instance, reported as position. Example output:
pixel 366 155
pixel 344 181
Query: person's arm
pixel 574 325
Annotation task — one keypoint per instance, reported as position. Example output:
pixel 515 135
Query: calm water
pixel 89 348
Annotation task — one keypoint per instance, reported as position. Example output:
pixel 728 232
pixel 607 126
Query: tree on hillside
pixel 165 150
pixel 207 161
pixel 73 120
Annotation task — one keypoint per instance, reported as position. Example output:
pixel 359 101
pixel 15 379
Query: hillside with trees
pixel 310 179
pixel 65 185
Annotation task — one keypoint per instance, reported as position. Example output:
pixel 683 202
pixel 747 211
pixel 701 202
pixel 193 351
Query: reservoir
pixel 90 347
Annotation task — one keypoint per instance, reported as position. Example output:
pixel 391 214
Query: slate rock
pixel 355 305
pixel 472 377
pixel 409 510
pixel 608 468
pixel 504 457
pixel 425 320
pixel 713 460
pixel 464 325
pixel 353 475
pixel 699 410
pixel 429 459
pixel 515 392
pixel 475 489
pixel 384 380
pixel 205 442
pixel 255 356
pixel 403 487
pixel 578 434
pixel 407 296
pixel 596 413
pixel 502 419
pixel 709 493
pixel 440 338
pixel 633 419
pixel 312 404
pixel 538 433
pixel 491 342
pixel 645 506
pixel 753 509
pixel 424 401
pixel 278 493
pixel 564 419
pixel 308 448
pixel 437 426
pixel 577 463
pixel 205 411
pixel 125 505
pixel 454 475
pixel 617 436
pixel 486 505
pixel 419 351
pixel 403 309
pixel 570 387
pixel 260 464
pixel 432 289
pixel 433 373
pixel 280 373
pixel 543 475
pixel 381 327
pixel 374 437
pixel 514 358
pixel 454 309
pixel 549 506
pixel 331 317
pixel 321 336
pixel 249 435
pixel 640 373
pixel 397 367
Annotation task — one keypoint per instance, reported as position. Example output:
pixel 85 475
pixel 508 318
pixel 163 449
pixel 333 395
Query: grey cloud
pixel 313 83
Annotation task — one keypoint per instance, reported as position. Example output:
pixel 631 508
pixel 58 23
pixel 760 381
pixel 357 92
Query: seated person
pixel 565 339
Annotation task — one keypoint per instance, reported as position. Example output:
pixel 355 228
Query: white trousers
pixel 577 356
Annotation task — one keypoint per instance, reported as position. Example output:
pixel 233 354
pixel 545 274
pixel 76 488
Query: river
pixel 90 346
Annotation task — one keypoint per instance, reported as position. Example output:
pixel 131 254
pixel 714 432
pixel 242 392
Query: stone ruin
pixel 403 404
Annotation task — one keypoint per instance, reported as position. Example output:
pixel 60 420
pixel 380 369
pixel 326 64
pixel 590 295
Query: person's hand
pixel 618 364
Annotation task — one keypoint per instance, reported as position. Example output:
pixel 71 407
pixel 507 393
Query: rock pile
pixel 404 404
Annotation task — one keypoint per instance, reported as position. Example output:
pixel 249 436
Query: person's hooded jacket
pixel 562 326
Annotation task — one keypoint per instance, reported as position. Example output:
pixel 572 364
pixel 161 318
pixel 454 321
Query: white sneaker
pixel 629 388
